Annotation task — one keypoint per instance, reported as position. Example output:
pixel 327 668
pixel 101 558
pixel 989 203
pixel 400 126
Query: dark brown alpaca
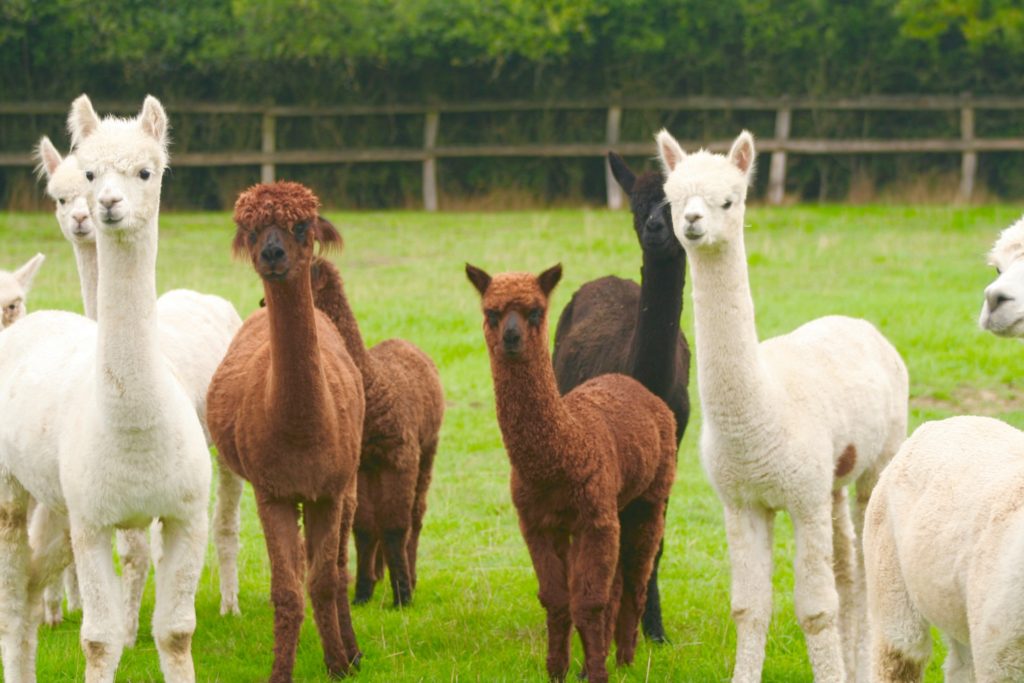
pixel 591 473
pixel 404 407
pixel 285 409
pixel 614 325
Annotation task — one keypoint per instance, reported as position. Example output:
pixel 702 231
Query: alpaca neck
pixel 531 414
pixel 88 275
pixel 731 377
pixel 130 367
pixel 652 355
pixel 334 303
pixel 296 379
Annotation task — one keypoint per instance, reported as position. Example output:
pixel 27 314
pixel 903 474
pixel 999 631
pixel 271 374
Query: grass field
pixel 917 273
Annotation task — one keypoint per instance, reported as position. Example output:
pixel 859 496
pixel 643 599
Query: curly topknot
pixel 283 203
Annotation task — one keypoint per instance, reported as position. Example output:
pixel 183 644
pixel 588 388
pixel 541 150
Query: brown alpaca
pixel 591 473
pixel 285 409
pixel 404 407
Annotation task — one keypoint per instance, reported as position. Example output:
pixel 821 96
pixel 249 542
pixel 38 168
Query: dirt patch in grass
pixel 965 400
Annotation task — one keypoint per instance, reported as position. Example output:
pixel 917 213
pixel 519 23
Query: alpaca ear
pixel 327 234
pixel 479 278
pixel 623 175
pixel 742 154
pixel 153 119
pixel 669 151
pixel 82 120
pixel 48 158
pixel 239 245
pixel 549 278
pixel 27 272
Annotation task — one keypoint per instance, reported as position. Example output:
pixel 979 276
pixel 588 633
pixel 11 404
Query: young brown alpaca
pixel 404 407
pixel 591 474
pixel 285 409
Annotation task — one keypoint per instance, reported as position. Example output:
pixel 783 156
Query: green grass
pixel 917 273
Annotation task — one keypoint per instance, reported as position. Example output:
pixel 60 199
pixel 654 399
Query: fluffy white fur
pixel 195 331
pixel 944 546
pixel 14 289
pixel 788 423
pixel 106 437
pixel 1002 313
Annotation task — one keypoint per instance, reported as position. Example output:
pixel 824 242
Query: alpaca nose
pixel 272 253
pixel 108 200
pixel 512 334
pixel 693 216
pixel 80 216
pixel 996 298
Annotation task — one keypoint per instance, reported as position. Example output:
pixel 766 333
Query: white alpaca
pixel 944 537
pixel 944 546
pixel 1002 313
pixel 14 290
pixel 195 331
pixel 105 431
pixel 788 422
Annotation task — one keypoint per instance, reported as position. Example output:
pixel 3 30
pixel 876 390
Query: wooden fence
pixel 968 145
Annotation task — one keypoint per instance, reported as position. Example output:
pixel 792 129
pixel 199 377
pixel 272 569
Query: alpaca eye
pixel 535 316
pixel 300 231
pixel 493 318
pixel 61 201
pixel 89 176
pixel 144 174
pixel 728 203
pixel 253 237
pixel 999 271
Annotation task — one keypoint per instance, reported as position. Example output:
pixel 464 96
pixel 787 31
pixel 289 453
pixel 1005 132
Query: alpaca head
pixel 277 225
pixel 1002 312
pixel 14 290
pixel 67 186
pixel 707 192
pixel 515 309
pixel 123 161
pixel 652 219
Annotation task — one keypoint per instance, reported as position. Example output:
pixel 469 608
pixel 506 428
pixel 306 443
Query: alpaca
pixel 14 288
pixel 788 423
pixel 131 449
pixel 1002 312
pixel 195 330
pixel 613 325
pixel 591 475
pixel 285 409
pixel 404 407
pixel 943 547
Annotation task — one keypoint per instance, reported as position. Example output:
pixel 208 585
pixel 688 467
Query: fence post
pixel 777 172
pixel 430 126
pixel 969 161
pixel 269 145
pixel 612 137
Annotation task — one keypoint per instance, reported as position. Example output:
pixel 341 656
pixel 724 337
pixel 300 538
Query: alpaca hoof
pixel 357 661
pixel 582 675
pixel 361 599
pixel 53 619
pixel 230 607
pixel 656 636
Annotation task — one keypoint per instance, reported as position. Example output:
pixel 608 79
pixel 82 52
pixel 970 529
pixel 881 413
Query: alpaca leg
pixel 817 602
pixel 959 664
pixel 643 525
pixel 53 593
pixel 549 553
pixel 50 544
pixel 280 522
pixel 611 615
pixel 15 558
pixel 133 547
pixel 419 506
pixel 177 578
pixel 322 521
pixel 348 634
pixel 103 633
pixel 749 532
pixel 227 522
pixel 71 589
pixel 393 512
pixel 366 539
pixel 845 567
pixel 653 626
pixel 593 559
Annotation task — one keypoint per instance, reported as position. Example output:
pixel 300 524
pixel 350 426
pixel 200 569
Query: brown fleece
pixel 285 409
pixel 591 474
pixel 404 407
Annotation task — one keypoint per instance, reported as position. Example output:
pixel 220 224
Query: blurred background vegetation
pixel 318 52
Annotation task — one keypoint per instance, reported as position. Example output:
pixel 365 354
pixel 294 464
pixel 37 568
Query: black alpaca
pixel 614 325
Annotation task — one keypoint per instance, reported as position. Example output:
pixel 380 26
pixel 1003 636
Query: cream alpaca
pixel 14 290
pixel 106 433
pixel 195 331
pixel 1002 313
pixel 788 422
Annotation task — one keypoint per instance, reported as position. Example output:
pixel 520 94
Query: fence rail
pixel 268 157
